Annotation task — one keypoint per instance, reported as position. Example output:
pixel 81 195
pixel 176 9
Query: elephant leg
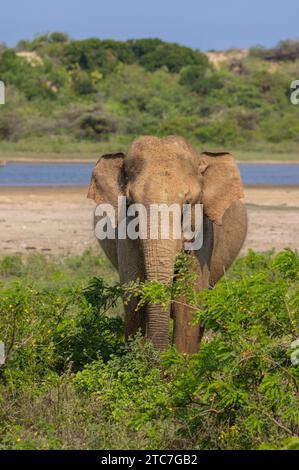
pixel 186 337
pixel 134 319
pixel 130 267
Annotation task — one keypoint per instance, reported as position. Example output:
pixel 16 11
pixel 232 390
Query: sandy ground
pixel 59 220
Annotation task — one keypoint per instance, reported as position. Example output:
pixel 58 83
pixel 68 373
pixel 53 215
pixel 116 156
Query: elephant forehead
pixel 169 147
pixel 181 145
pixel 162 161
pixel 165 181
pixel 161 187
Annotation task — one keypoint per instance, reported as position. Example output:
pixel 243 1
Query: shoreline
pixel 94 160
pixel 281 197
pixel 70 188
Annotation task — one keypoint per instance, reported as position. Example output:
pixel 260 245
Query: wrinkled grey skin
pixel 169 171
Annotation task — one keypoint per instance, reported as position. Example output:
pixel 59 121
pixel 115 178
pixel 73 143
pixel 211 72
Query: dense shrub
pixel 69 380
pixel 95 125
pixel 11 124
pixel 89 54
pixel 82 82
pixel 58 37
pixel 223 132
pixel 172 56
pixel 11 265
pixel 35 81
pixel 200 78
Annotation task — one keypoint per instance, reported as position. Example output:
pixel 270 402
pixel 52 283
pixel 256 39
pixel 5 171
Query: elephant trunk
pixel 159 259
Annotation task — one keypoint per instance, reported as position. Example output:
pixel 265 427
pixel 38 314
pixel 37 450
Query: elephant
pixel 168 170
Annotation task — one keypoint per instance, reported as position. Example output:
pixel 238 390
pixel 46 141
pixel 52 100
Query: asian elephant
pixel 168 170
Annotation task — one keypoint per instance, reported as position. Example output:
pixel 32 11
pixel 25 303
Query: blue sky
pixel 212 24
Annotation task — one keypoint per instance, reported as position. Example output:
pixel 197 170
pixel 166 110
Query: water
pixel 269 174
pixel 78 174
pixel 46 174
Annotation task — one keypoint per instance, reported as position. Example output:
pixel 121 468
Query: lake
pixel 78 174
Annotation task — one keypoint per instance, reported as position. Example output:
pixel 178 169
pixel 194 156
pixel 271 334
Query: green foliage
pixel 200 78
pixel 171 56
pixel 287 263
pixel 36 82
pixel 95 125
pixel 10 125
pixel 82 82
pixel 284 51
pixel 111 91
pixel 11 265
pixel 221 131
pixel 129 386
pixel 58 37
pixel 70 381
pixel 48 329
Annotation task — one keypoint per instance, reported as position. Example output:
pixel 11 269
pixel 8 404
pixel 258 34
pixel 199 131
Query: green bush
pixel 172 56
pixel 11 125
pixel 11 265
pixel 34 81
pixel 200 78
pixel 223 132
pixel 70 381
pixel 95 125
pixel 82 82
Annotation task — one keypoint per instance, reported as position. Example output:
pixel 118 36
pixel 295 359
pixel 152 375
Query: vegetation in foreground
pixel 87 96
pixel 70 382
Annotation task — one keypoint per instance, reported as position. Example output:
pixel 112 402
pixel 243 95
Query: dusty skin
pixel 60 220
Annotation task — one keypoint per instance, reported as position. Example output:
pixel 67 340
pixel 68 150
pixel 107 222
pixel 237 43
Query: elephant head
pixel 168 171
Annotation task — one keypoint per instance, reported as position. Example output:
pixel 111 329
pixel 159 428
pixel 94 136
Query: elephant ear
pixel 107 180
pixel 222 183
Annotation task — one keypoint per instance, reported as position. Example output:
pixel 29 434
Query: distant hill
pixel 107 91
